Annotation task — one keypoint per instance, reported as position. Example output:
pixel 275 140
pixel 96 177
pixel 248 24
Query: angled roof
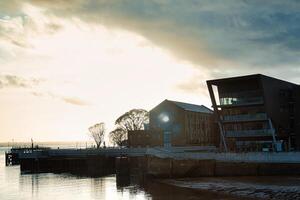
pixel 236 78
pixel 192 107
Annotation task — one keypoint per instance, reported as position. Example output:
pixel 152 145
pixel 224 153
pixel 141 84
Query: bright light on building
pixel 165 118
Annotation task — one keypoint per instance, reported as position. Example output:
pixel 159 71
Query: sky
pixel 68 64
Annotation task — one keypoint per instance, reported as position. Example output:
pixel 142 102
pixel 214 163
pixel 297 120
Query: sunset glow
pixel 65 65
pixel 82 74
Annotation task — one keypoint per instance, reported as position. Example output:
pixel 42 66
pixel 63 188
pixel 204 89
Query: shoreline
pixel 263 187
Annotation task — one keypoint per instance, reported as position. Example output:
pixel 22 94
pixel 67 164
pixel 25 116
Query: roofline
pixel 173 102
pixel 235 78
pixel 208 108
pixel 187 103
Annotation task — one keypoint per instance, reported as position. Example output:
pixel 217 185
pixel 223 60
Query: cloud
pixel 236 36
pixel 75 101
pixel 12 81
pixel 25 22
pixel 195 85
pixel 10 7
pixel 69 100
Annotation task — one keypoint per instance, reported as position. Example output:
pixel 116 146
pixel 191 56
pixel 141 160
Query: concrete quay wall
pixel 259 157
pixel 95 166
pixel 176 168
pixel 160 163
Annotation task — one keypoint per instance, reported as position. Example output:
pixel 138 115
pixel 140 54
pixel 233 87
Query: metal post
pixel 216 111
pixel 223 136
pixel 31 144
pixel 289 144
pixel 273 134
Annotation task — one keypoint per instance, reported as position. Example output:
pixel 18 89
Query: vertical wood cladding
pixel 200 129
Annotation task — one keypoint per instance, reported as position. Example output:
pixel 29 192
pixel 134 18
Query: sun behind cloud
pixel 88 73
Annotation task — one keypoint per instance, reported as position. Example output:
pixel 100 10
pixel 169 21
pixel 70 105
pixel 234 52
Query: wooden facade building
pixel 175 123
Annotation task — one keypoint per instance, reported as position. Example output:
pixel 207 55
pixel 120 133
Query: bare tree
pixel 118 136
pixel 129 121
pixel 133 120
pixel 97 133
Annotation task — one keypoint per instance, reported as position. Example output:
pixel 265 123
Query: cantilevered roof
pixel 192 107
pixel 237 78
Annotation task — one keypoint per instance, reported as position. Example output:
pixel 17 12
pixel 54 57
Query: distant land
pixel 52 144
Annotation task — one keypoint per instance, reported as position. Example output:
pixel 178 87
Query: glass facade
pixel 240 98
pixel 245 117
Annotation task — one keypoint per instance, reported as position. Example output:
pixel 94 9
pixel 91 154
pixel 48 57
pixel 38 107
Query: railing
pixel 250 133
pixel 246 117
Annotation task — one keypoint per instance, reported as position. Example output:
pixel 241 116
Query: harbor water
pixel 45 186
pixel 49 186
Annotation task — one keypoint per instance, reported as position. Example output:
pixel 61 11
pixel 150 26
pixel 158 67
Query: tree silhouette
pixel 118 136
pixel 129 121
pixel 133 120
pixel 97 133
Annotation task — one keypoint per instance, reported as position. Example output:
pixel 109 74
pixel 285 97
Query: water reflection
pixel 48 186
pixel 64 186
pixel 122 181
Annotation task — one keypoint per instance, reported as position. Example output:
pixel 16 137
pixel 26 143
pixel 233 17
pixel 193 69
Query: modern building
pixel 256 113
pixel 175 123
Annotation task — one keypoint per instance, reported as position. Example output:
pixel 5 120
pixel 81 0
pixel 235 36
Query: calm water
pixel 44 186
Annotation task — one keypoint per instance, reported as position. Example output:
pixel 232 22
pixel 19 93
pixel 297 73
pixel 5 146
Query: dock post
pixel 6 158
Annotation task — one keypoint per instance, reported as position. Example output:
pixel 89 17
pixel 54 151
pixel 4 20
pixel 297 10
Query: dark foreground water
pixel 48 186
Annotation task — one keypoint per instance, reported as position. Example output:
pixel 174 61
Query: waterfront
pixel 15 185
pixel 44 186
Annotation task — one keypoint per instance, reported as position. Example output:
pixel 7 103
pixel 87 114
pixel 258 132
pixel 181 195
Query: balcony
pixel 250 133
pixel 245 118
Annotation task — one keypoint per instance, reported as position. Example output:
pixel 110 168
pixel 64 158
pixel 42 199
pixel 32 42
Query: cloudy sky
pixel 67 64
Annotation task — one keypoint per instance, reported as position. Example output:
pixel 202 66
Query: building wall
pixel 277 103
pixel 145 138
pixel 297 118
pixel 201 129
pixel 187 128
pixel 176 124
